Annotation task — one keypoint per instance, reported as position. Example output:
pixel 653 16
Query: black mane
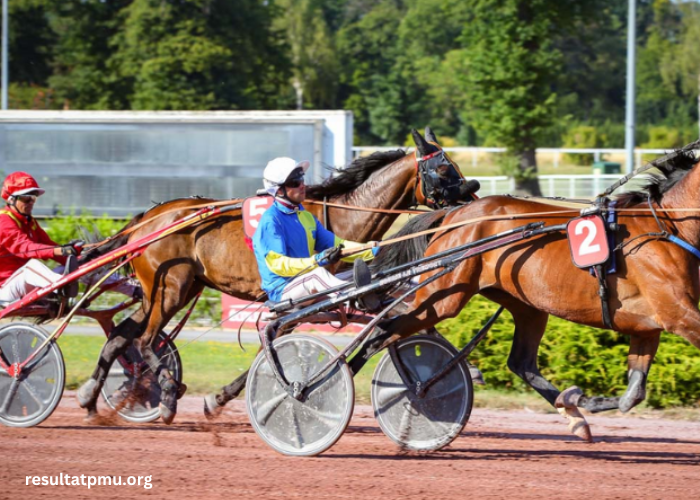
pixel 671 172
pixel 351 177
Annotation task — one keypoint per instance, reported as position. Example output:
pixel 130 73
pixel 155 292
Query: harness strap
pixel 427 157
pixel 684 245
pixel 325 212
pixel 603 294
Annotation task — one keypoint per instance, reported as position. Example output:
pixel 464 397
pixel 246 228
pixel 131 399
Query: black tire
pixel 435 420
pixel 139 405
pixel 310 426
pixel 30 399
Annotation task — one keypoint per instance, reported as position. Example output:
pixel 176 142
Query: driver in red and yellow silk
pixel 23 242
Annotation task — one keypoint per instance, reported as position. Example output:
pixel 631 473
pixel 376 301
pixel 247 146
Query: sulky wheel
pixel 422 423
pixel 131 387
pixel 313 424
pixel 32 397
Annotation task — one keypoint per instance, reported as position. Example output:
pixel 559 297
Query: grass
pixel 210 365
pixel 207 366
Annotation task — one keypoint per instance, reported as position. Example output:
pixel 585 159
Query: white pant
pixel 315 281
pixel 34 274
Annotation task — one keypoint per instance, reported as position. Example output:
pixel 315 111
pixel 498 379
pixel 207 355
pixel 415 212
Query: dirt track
pixel 501 455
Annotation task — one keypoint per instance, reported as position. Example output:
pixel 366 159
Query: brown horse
pixel 655 287
pixel 214 253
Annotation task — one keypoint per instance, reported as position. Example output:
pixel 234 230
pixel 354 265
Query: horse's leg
pixel 119 340
pixel 530 325
pixel 683 320
pixel 641 355
pixel 173 292
pixel 214 403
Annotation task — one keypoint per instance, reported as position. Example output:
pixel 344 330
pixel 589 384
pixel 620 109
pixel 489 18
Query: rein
pixel 363 209
pixel 172 210
pixel 487 218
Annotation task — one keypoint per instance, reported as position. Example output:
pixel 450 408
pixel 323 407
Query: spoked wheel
pixel 422 423
pixel 132 389
pixel 312 425
pixel 32 397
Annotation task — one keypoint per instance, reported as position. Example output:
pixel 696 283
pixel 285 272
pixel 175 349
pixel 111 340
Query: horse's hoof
pixel 212 408
pixel 85 394
pixel 92 418
pixel 476 375
pixel 170 391
pixel 569 398
pixel 635 393
pixel 166 414
pixel 577 423
pixel 182 388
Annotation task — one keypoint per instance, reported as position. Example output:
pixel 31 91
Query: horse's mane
pixel 671 172
pixel 411 249
pixel 352 176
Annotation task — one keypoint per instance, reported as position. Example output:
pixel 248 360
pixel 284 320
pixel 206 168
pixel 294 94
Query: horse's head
pixel 441 184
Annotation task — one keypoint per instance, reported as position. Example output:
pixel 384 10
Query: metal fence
pixel 556 154
pixel 565 186
pixel 561 185
pixel 119 163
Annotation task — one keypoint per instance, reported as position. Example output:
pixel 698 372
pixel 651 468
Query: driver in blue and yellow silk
pixel 290 244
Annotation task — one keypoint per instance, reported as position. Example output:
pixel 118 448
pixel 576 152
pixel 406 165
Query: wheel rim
pixel 31 399
pixel 137 400
pixel 431 422
pixel 300 428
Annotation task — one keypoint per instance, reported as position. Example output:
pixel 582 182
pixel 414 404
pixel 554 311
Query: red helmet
pixel 18 183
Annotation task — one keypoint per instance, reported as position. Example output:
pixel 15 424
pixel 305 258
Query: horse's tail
pixel 411 249
pixel 112 243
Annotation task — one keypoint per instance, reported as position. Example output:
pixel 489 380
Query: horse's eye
pixel 444 171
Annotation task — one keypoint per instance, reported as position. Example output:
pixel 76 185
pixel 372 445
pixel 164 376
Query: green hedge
pixel 64 228
pixel 571 354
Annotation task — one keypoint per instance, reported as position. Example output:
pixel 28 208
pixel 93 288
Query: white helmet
pixel 278 171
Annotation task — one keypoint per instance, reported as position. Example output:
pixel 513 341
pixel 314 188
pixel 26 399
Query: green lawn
pixel 207 365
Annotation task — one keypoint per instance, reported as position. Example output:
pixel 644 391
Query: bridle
pixel 439 183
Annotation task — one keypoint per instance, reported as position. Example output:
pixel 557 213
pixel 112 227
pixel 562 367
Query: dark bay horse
pixel 214 253
pixel 655 288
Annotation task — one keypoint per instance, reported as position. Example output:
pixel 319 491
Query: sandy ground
pixel 500 455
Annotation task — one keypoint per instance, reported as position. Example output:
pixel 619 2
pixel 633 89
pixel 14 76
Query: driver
pixel 290 244
pixel 23 242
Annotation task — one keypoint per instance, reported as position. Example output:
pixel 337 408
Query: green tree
pixel 368 50
pixel 681 68
pixel 511 63
pixel 82 77
pixel 31 43
pixel 428 35
pixel 199 54
pixel 312 53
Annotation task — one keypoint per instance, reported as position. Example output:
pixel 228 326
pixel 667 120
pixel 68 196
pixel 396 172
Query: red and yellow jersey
pixel 22 239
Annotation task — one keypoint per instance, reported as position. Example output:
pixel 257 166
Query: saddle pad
pixel 253 209
pixel 588 241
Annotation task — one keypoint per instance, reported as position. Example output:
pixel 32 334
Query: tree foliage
pixel 515 73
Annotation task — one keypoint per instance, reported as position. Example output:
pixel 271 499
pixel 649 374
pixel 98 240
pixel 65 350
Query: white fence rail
pixel 556 153
pixel 566 186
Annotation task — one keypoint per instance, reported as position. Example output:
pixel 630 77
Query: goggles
pixel 26 198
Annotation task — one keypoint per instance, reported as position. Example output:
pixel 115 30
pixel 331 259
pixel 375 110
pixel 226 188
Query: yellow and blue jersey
pixel 286 241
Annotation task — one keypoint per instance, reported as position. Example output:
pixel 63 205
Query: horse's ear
pixel 421 144
pixel 429 136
